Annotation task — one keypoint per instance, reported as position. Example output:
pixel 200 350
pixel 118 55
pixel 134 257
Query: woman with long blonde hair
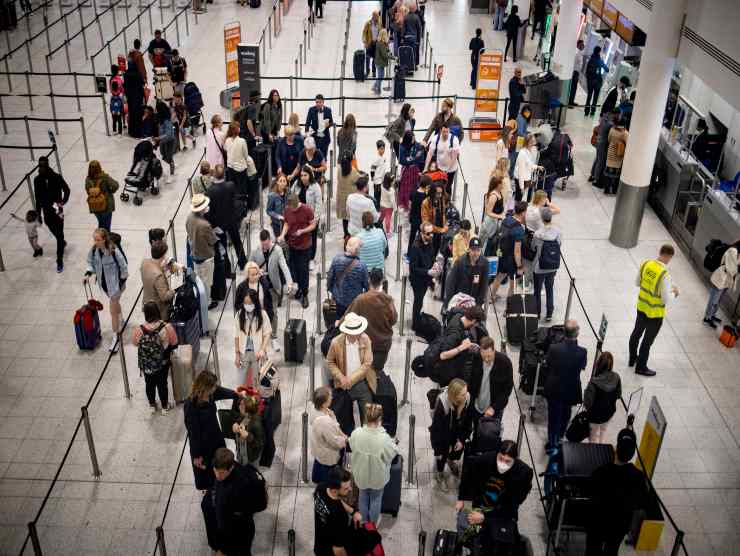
pixel 501 170
pixel 451 427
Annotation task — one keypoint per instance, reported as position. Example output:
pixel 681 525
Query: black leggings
pixel 452 455
pixel 157 381
pixel 510 41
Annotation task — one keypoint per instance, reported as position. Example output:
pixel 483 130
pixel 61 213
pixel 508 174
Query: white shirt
pixel 502 151
pixel 357 204
pixel 446 151
pixel 236 153
pixel 388 197
pixel 525 163
pixel 379 168
pixel 534 218
pixel 320 127
pixel 578 63
pixel 352 350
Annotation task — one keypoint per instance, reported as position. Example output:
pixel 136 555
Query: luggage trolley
pixel 568 504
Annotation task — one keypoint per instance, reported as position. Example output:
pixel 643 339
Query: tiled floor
pixel 44 380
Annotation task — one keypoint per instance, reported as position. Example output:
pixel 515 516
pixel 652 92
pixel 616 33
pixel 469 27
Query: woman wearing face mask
pixel 497 484
pixel 252 331
pixel 257 283
pixel 526 164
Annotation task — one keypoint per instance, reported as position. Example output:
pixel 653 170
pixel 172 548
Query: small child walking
pixel 116 100
pixel 31 223
pixel 387 202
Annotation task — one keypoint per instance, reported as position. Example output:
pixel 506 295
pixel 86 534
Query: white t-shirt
pixel 446 151
pixel 379 168
pixel 534 218
pixel 357 204
pixel 352 349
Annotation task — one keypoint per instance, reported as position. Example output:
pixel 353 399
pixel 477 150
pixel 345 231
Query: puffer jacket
pixel 601 396
pixel 447 426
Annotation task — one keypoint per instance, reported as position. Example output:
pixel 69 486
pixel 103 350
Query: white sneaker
pixel 380 518
pixel 165 410
pixel 275 345
pixel 113 348
pixel 153 409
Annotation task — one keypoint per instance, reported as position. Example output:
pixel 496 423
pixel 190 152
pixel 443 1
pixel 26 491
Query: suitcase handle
pixel 87 288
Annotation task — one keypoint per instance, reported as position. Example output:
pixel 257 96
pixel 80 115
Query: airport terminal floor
pixel 146 477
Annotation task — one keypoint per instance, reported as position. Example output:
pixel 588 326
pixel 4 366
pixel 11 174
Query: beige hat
pixel 353 324
pixel 199 203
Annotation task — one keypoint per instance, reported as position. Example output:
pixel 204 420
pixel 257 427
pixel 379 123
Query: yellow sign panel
pixel 489 78
pixel 232 37
pixel 652 438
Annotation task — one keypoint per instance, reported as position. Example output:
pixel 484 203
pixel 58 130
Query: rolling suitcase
pixel 181 365
pixel 386 397
pixel 445 543
pixel 399 85
pixel 406 59
pixel 358 65
pixel 521 312
pixel 188 333
pixel 392 491
pixel 294 338
pixel 163 88
pixel 87 322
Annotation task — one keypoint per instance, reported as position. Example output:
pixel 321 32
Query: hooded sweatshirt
pixel 600 398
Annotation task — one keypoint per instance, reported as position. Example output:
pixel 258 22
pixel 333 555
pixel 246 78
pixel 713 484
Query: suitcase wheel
pixel 124 197
pixel 138 201
pixel 154 190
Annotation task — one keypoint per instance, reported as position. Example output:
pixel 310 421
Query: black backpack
pixel 715 251
pixel 150 350
pixel 550 255
pixel 185 304
pixel 259 497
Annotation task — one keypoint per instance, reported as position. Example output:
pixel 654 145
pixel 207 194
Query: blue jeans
pixel 548 279
pixel 379 80
pixel 104 219
pixel 715 296
pixel 558 417
pixel 498 18
pixel 371 500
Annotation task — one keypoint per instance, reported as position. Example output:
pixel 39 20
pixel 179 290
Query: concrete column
pixel 656 69
pixel 565 41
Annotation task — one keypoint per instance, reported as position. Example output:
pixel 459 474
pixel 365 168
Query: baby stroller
pixel 144 173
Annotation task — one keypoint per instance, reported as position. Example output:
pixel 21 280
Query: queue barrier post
pixel 2 263
pixel 292 94
pixel 177 29
pixel 318 304
pixel 187 24
pixel 84 37
pixel 300 60
pixel 422 540
pixel 151 26
pixel 249 237
pixel 399 237
pixel 124 366
pixel 2 115
pixel 28 135
pixel 28 53
pixel 77 91
pixel 52 96
pixel 569 303
pixel 7 76
pixel 84 138
pixel 312 361
pixel 56 157
pixel 520 430
pixel 407 372
pixel 291 542
pixel 173 240
pixel 402 315
pixel 7 41
pixel 323 248
pixel 431 58
pixel 677 543
pixel 90 442
pixel 465 194
pixel 28 88
pixel 412 449
pixel 100 29
pixel 214 349
pixel 263 46
pixel 304 447
pixel 161 548
pixel 105 115
pixel 32 532
pixel 2 176
pixel 115 19
pixel 330 189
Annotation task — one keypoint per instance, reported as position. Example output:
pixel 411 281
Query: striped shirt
pixel 372 252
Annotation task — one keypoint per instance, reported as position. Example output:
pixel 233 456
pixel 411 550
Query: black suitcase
pixel 386 397
pixel 521 314
pixel 428 327
pixel 399 85
pixel 445 543
pixel 218 288
pixel 294 338
pixel 358 65
pixel 8 15
pixel 392 491
pixel 255 3
pixel 406 59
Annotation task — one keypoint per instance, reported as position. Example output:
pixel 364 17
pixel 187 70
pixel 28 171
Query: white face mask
pixel 248 308
pixel 502 466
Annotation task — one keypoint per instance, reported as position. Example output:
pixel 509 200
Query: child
pixel 32 231
pixel 461 240
pixel 377 171
pixel 387 201
pixel 181 117
pixel 148 122
pixel 249 434
pixel 203 182
pixel 116 100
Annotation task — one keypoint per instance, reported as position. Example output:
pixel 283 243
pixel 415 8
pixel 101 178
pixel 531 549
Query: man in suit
pixel 222 214
pixel 318 122
pixel 565 361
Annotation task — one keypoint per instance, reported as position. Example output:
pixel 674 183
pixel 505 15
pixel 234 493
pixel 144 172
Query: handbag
pixel 227 418
pixel 341 405
pixel 729 336
pixel 579 427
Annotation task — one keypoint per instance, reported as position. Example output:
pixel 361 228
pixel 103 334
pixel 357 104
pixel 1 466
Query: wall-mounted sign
pixel 232 37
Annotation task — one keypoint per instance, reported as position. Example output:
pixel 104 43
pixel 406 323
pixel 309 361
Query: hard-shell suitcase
pixel 87 322
pixel 392 491
pixel 445 543
pixel 387 398
pixel 399 85
pixel 182 372
pixel 406 59
pixel 294 338
pixel 358 65
pixel 163 88
pixel 220 272
pixel 521 313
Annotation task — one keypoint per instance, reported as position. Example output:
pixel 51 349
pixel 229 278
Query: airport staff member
pixel 656 289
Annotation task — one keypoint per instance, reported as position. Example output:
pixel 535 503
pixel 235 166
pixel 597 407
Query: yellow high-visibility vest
pixel 652 274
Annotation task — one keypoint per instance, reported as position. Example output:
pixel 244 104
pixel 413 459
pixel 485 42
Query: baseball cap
pixel 474 243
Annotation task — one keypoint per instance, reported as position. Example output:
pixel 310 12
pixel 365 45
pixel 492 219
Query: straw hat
pixel 199 203
pixel 353 324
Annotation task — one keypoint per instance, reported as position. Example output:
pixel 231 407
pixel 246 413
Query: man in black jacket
pixel 491 382
pixel 469 275
pixel 517 90
pixel 413 30
pixel 222 213
pixel 565 362
pixel 229 507
pixel 456 347
pixel 421 261
pixel 52 193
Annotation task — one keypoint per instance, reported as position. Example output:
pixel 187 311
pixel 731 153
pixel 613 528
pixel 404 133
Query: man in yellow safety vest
pixel 656 288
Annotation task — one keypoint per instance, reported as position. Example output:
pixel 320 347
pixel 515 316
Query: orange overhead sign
pixel 232 37
pixel 489 79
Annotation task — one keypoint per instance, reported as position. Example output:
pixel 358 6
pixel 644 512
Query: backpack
pixel 97 200
pixel 185 304
pixel 715 251
pixel 258 496
pixel 151 350
pixel 116 104
pixel 550 255
pixel 193 99
pixel 178 71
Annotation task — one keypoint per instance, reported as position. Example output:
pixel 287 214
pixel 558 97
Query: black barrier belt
pixel 24 178
pixel 129 24
pixel 78 33
pixel 27 119
pixel 287 77
pixel 53 74
pixel 28 147
pixel 59 95
pixel 57 20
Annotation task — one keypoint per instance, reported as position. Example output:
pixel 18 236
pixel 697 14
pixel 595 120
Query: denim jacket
pixel 352 284
pixel 275 207
pixel 111 265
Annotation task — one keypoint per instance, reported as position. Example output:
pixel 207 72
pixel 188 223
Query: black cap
pixel 626 445
pixel 474 243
